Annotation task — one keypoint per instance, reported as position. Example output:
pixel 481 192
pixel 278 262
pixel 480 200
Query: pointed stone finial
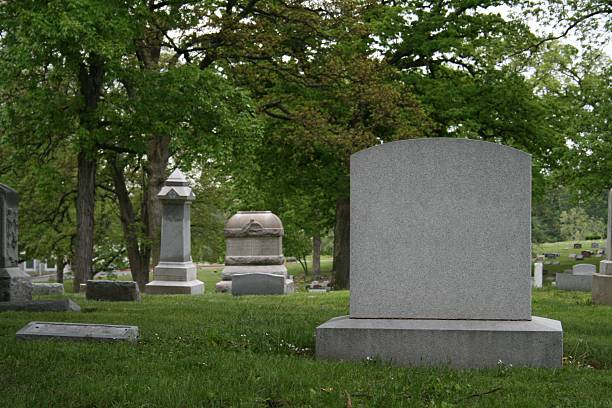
pixel 176 187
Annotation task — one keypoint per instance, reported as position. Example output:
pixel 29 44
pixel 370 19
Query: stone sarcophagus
pixel 254 245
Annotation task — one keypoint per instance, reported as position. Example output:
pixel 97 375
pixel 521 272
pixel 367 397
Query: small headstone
pixel 261 284
pixel 579 257
pixel 586 254
pixel 15 285
pixel 83 287
pixel 48 288
pixel 176 273
pixel 540 258
pixel 572 282
pixel 572 256
pixel 538 274
pixel 112 290
pixel 77 331
pixel 577 246
pixel 64 305
pixel 594 244
pixel 584 269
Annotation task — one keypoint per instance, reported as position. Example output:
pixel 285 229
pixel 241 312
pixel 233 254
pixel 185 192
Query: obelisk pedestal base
pixel 15 285
pixel 175 278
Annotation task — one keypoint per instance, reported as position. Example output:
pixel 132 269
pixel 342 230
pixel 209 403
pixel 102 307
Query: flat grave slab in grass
pixel 64 305
pixel 77 331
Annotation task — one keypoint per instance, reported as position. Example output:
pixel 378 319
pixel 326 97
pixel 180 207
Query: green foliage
pixel 576 224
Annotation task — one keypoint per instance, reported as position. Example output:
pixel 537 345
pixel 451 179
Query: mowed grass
pixel 217 350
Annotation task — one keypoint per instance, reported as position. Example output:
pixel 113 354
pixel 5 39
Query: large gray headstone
pixel 15 285
pixel 413 200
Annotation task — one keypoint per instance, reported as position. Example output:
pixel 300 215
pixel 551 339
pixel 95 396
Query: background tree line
pixel 264 101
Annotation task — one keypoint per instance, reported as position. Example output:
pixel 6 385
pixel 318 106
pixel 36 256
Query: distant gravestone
pixel 254 245
pixel 176 273
pixel 572 256
pixel 112 290
pixel 77 331
pixel 261 284
pixel 602 281
pixel 411 198
pixel 538 274
pixel 577 246
pixel 594 244
pixel 15 285
pixel 579 257
pixel 584 269
pixel 48 288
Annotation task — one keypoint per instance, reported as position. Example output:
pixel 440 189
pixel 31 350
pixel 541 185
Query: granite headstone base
pixel 175 278
pixel 569 281
pixel 230 270
pixel 451 343
pixel 112 290
pixel 77 331
pixel 15 285
pixel 64 305
pixel 602 289
pixel 261 284
pixel 47 288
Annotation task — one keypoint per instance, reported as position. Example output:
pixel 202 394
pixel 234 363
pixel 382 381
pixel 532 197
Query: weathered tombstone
pixel 15 285
pixel 254 245
pixel 409 199
pixel 577 246
pixel 538 274
pixel 47 288
pixel 594 244
pixel 176 272
pixel 77 331
pixel 584 269
pixel 586 254
pixel 572 256
pixel 112 290
pixel 580 278
pixel 602 281
pixel 579 257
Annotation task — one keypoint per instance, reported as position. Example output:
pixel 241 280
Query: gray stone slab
pixel 64 305
pixel 261 284
pixel 112 290
pixel 605 267
pixel 452 343
pixel 411 199
pixel 77 331
pixel 569 281
pixel 48 288
pixel 584 269
pixel 15 285
pixel 602 289
pixel 231 270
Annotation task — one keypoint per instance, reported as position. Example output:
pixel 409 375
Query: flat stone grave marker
pixel 594 244
pixel 64 305
pixel 77 331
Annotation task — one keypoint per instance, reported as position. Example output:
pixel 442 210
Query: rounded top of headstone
pixel 253 223
pixel 441 143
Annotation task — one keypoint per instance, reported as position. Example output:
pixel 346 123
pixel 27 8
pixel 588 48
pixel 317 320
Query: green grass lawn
pixel 257 351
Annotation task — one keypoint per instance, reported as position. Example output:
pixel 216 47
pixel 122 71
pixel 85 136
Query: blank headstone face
pixel 584 269
pixel 426 215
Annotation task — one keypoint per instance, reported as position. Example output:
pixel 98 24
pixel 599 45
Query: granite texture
pixel 48 288
pixel 584 269
pixel 112 290
pixel 569 281
pixel 15 285
pixel 411 200
pixel 261 284
pixel 602 289
pixel 176 272
pixel 64 305
pixel 609 230
pixel 452 343
pixel 77 331
pixel 605 267
pixel 229 271
pixel 538 274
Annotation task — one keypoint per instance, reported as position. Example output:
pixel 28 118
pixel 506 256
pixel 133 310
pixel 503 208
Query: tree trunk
pixel 91 79
pixel 342 244
pixel 138 255
pixel 85 206
pixel 60 264
pixel 158 155
pixel 316 257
